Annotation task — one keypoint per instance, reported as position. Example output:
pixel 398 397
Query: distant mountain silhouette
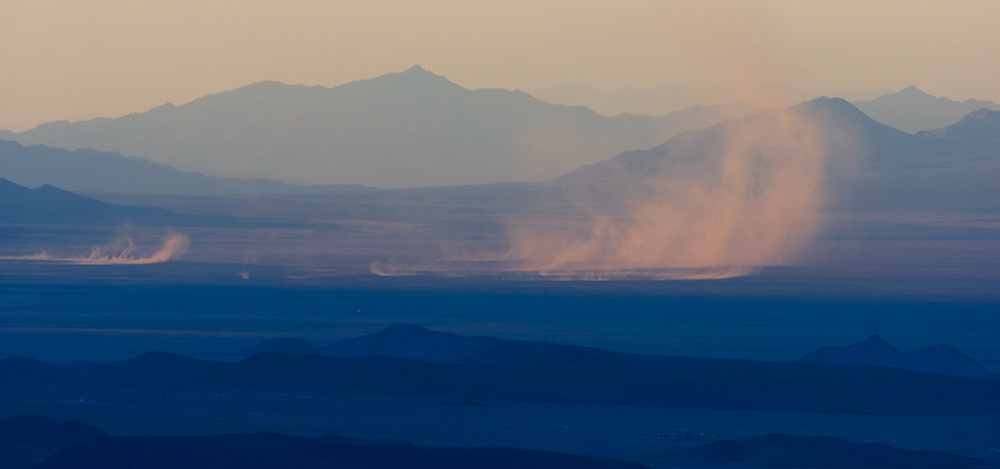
pixel 779 450
pixel 875 351
pixel 878 144
pixel 912 110
pixel 668 99
pixel 93 171
pixel 869 166
pixel 413 342
pixel 26 441
pixel 406 129
pixel 471 369
pixel 51 205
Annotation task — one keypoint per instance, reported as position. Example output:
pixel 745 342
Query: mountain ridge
pixel 940 359
pixel 407 129
pixel 48 204
pixel 87 170
pixel 912 110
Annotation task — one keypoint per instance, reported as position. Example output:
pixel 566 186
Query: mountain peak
pixel 875 351
pixel 911 90
pixel 876 339
pixel 417 71
pixel 982 114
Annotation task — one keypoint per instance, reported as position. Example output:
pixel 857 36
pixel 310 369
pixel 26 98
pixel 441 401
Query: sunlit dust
pixel 119 252
pixel 752 197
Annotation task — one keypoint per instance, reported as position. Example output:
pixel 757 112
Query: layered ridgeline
pixel 32 441
pixel 912 110
pixel 862 164
pixel 753 191
pixel 92 171
pixel 405 129
pixel 51 205
pixel 413 362
pixel 940 359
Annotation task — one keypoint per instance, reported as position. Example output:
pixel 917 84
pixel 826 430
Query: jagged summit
pixel 877 340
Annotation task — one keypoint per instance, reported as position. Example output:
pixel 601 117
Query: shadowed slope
pixel 27 440
pixel 88 170
pixel 277 451
pixel 51 205
pixel 779 450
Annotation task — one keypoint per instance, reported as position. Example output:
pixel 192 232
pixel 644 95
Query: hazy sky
pixel 71 59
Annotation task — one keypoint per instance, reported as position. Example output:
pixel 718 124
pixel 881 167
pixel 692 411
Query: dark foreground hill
pixel 779 450
pixel 25 441
pixel 88 170
pixel 51 205
pixel 488 369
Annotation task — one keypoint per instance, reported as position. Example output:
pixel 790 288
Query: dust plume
pixel 713 204
pixel 120 251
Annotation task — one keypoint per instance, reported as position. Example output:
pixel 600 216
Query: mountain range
pixel 483 369
pixel 875 351
pixel 911 110
pixel 779 450
pixel 32 441
pixel 406 129
pixel 93 171
pixel 868 166
pixel 413 342
pixel 51 205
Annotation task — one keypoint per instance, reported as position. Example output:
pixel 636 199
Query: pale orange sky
pixel 71 59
